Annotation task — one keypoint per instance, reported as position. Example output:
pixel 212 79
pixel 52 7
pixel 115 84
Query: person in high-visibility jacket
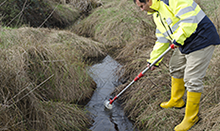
pixel 183 23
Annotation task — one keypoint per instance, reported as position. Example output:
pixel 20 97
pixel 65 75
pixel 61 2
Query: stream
pixel 106 120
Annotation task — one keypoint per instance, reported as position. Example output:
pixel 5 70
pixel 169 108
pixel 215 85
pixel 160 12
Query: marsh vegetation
pixel 46 46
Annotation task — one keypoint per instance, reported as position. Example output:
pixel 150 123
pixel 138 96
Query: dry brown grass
pixel 85 6
pixel 41 70
pixel 115 24
pixel 37 13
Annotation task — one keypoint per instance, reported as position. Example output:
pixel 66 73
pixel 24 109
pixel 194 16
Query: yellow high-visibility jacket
pixel 183 23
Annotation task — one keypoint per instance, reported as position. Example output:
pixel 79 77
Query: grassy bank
pixel 115 24
pixel 43 79
pixel 44 84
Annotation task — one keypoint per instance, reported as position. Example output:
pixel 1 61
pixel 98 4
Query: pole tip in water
pixel 107 104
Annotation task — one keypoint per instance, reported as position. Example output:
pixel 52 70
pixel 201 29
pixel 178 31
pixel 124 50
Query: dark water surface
pixel 106 120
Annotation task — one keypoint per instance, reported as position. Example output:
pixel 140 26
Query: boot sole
pixel 174 107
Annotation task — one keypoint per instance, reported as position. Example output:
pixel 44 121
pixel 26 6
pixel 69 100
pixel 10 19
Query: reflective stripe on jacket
pixel 183 23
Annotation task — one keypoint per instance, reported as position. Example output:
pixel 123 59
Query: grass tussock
pixel 115 24
pixel 37 13
pixel 43 77
pixel 41 70
pixel 85 6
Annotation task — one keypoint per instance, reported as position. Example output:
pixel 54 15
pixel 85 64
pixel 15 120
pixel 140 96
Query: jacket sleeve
pixel 190 14
pixel 160 46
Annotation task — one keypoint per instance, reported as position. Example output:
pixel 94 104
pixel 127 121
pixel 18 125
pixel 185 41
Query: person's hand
pixel 152 68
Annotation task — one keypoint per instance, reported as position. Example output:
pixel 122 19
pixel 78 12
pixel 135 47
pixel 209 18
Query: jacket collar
pixel 155 5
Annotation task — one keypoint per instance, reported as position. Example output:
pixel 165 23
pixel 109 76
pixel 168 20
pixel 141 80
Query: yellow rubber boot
pixel 191 112
pixel 177 92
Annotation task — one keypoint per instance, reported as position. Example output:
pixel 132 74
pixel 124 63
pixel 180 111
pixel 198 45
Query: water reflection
pixel 106 120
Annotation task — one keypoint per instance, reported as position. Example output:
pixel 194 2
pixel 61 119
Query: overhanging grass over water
pixel 43 78
pixel 48 65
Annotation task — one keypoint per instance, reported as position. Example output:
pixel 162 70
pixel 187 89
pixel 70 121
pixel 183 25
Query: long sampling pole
pixel 108 104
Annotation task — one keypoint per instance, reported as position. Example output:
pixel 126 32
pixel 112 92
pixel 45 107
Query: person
pixel 183 23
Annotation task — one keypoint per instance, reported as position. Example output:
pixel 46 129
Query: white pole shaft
pixel 146 69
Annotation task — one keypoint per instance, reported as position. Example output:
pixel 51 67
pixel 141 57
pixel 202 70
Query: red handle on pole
pixel 172 46
pixel 139 76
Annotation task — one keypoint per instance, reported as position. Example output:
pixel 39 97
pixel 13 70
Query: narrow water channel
pixel 106 120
